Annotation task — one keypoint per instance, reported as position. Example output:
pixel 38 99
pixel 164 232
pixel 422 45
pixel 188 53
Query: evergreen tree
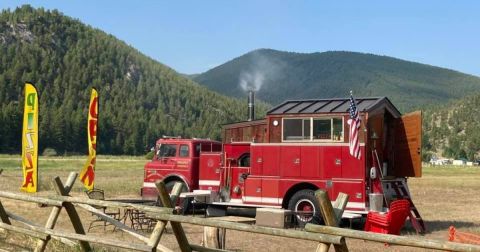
pixel 140 99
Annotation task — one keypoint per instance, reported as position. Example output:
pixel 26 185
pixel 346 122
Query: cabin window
pixel 296 129
pixel 167 150
pixel 322 129
pixel 337 129
pixel 184 150
pixel 244 160
pixel 313 129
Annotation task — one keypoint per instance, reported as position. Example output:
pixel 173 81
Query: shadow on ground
pixel 436 226
pixel 433 226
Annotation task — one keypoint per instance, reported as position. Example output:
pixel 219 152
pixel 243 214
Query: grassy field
pixel 445 196
pixel 117 175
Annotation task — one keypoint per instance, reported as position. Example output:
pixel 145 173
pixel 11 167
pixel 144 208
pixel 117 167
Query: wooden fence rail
pixel 297 234
pixel 393 239
pixel 325 235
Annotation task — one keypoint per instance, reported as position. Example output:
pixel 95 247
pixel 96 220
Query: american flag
pixel 354 123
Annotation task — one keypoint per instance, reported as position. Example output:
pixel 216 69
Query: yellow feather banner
pixel 30 140
pixel 87 175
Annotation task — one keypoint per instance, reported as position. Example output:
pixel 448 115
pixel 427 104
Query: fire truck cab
pixel 176 160
pixel 299 147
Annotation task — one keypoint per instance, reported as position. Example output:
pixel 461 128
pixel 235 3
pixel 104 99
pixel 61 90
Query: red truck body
pixel 300 146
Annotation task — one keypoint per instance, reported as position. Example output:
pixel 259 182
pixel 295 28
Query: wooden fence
pixel 324 235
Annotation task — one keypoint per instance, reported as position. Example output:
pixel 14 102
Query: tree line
pixel 140 99
pixel 453 130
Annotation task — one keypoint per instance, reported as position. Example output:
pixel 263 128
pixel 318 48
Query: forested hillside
pixel 285 75
pixel 453 131
pixel 140 99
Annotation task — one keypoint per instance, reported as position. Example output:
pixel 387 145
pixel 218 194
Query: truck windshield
pixel 167 150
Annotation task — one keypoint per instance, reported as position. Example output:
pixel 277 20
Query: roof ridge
pixel 326 105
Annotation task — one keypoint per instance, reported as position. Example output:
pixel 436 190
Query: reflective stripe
pixel 356 204
pixel 263 200
pixel 307 143
pixel 149 184
pixel 209 182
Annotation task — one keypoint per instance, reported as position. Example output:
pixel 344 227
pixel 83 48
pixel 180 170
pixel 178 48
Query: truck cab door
pixel 184 159
pixel 408 145
pixel 166 156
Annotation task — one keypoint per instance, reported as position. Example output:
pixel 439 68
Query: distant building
pixel 460 162
pixel 442 161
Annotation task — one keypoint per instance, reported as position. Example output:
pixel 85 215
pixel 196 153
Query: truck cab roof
pixel 185 140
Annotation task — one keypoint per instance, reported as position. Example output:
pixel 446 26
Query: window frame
pixel 180 150
pixel 163 157
pixel 302 126
pixel 312 118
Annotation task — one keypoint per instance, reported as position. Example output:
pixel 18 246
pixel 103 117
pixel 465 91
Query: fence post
pixel 176 226
pixel 175 193
pixel 160 226
pixel 70 208
pixel 339 205
pixel 52 219
pixel 72 213
pixel 3 215
pixel 330 218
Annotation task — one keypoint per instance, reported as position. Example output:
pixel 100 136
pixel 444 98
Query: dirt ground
pixel 445 196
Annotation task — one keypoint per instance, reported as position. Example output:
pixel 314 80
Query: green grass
pixel 451 170
pixel 117 175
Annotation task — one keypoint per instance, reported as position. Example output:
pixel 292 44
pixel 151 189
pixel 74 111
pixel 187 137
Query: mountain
pixel 279 76
pixel 453 130
pixel 140 99
pixel 190 76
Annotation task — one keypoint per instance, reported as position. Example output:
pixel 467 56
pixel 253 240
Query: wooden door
pixel 408 145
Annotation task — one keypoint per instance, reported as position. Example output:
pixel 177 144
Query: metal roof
pixel 336 105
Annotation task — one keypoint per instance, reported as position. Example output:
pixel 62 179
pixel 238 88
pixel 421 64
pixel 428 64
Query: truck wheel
pixel 305 207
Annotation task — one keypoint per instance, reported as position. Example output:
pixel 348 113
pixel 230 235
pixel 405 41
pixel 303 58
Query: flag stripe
pixel 354 123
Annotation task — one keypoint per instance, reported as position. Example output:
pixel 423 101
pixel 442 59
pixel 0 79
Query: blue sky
pixel 194 36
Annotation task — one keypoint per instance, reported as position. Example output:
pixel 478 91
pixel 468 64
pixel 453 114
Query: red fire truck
pixel 301 146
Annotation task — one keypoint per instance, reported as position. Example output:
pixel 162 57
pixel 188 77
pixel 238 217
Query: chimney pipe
pixel 251 105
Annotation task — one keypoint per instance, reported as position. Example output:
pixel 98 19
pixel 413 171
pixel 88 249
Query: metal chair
pixel 140 221
pixel 98 194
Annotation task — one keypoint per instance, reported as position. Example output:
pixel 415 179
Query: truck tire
pixel 305 207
